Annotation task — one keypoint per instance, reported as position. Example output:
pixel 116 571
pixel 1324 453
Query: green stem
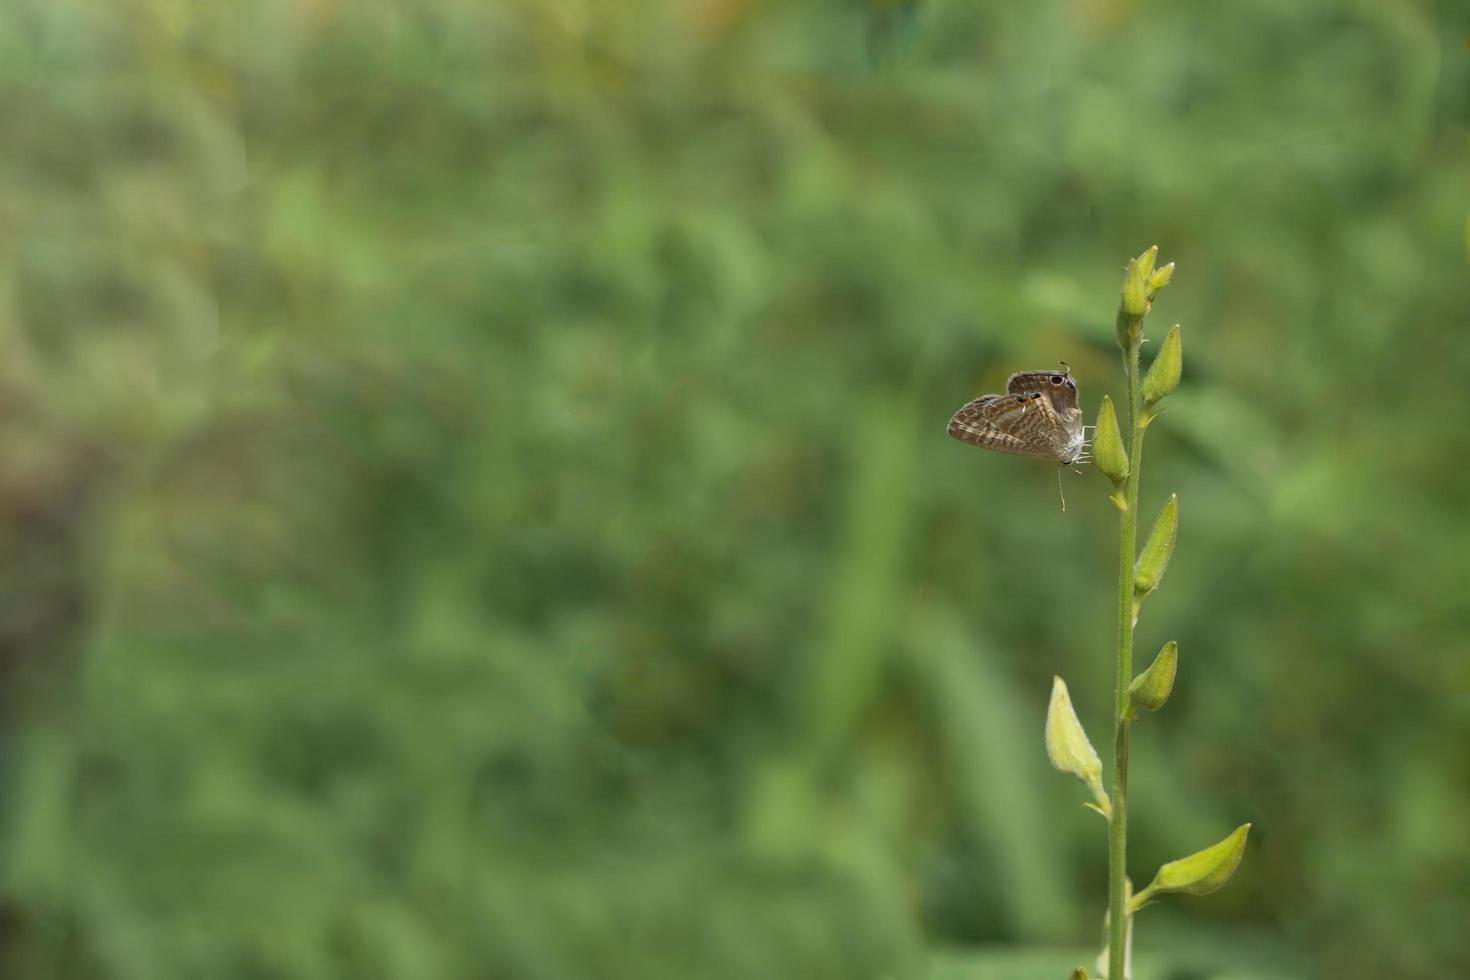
pixel 1127 548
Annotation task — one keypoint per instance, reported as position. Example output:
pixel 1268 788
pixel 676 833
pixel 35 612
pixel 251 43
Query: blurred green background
pixel 474 499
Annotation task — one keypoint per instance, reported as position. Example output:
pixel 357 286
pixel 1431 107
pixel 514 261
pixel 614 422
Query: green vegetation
pixel 1139 575
pixel 474 498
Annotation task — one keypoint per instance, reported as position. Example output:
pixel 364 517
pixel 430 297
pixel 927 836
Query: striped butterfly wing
pixel 1038 417
pixel 989 422
pixel 1023 425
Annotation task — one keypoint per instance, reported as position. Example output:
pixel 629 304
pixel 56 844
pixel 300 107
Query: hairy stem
pixel 1127 547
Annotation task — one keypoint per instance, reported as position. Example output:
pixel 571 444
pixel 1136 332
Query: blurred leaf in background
pixel 474 498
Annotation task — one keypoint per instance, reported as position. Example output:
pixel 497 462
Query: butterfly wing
pixel 1038 416
pixel 988 422
pixel 1022 424
pixel 1057 386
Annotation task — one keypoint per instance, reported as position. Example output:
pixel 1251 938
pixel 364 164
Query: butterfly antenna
pixel 1059 488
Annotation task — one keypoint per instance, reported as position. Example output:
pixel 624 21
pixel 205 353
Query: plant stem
pixel 1127 547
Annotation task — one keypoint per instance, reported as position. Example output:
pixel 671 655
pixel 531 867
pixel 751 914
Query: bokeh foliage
pixel 474 499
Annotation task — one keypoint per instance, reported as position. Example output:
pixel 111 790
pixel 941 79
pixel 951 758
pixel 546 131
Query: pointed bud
pixel 1148 571
pixel 1068 747
pixel 1135 289
pixel 1146 261
pixel 1158 280
pixel 1107 444
pixel 1151 688
pixel 1140 283
pixel 1198 874
pixel 1163 374
pixel 1078 974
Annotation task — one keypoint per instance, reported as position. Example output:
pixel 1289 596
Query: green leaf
pixel 1107 444
pixel 1198 874
pixel 1068 747
pixel 1163 374
pixel 1148 571
pixel 1151 688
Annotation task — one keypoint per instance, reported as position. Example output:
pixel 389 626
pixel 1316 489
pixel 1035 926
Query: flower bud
pixel 1068 747
pixel 1159 279
pixel 1151 688
pixel 1146 261
pixel 1163 373
pixel 1148 571
pixel 1198 874
pixel 1141 283
pixel 1135 289
pixel 1107 444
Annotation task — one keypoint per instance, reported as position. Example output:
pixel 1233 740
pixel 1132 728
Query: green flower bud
pixel 1140 284
pixel 1198 874
pixel 1158 280
pixel 1163 373
pixel 1148 571
pixel 1135 288
pixel 1078 974
pixel 1107 444
pixel 1151 688
pixel 1068 747
pixel 1146 261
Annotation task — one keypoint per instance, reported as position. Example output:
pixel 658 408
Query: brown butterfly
pixel 1037 416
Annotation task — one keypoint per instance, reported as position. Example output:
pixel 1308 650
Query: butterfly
pixel 1037 416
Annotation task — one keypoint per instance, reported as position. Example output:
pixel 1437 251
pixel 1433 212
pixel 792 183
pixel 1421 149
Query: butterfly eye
pixel 1056 379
